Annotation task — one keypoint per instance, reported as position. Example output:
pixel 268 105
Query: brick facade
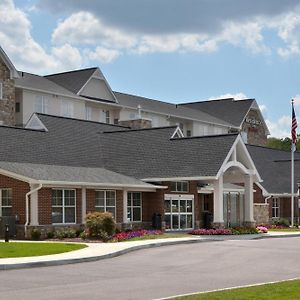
pixel 7 104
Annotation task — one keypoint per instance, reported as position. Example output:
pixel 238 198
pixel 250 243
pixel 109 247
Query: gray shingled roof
pixel 150 153
pixel 274 166
pixel 93 176
pixel 31 81
pixel 72 80
pixel 233 111
pixel 140 154
pixel 166 108
pixel 68 141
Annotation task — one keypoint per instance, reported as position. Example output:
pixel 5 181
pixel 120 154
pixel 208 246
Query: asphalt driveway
pixel 160 272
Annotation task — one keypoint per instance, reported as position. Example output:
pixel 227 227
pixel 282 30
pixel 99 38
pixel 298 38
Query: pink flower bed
pixel 262 229
pixel 203 231
pixel 127 235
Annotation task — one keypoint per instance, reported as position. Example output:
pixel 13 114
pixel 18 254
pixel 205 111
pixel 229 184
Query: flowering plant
pixel 262 229
pixel 127 235
pixel 203 231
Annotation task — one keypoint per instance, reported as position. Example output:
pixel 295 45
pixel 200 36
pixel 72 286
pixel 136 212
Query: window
pixel 41 104
pixel 134 206
pixel 88 113
pixel 180 186
pixel 67 109
pixel 275 208
pixel 1 90
pixel 106 201
pixel 107 117
pixel 17 107
pixel 63 207
pixel 6 202
pixel 244 135
pixel 188 133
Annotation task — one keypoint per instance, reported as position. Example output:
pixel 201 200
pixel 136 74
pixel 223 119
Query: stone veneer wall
pixel 7 104
pixel 137 123
pixel 255 129
pixel 261 213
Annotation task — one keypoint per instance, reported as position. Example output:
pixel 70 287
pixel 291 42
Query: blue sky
pixel 172 50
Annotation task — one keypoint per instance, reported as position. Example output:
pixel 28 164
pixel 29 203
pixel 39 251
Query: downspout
pixel 27 205
pixel 266 199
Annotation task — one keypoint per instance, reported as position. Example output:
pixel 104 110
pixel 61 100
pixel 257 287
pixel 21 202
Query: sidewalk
pixel 97 251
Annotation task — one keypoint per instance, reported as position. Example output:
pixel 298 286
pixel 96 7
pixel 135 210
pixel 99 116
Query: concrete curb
pixel 37 264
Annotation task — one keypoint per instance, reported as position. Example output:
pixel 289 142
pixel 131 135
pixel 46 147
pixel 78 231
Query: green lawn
pixel 13 249
pixel 285 229
pixel 288 290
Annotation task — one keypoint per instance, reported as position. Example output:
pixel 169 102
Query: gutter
pixel 27 205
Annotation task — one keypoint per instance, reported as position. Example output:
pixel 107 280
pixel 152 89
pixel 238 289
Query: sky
pixel 171 50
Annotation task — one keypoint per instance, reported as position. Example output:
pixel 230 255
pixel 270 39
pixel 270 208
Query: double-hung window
pixel 134 206
pixel 5 202
pixel 41 104
pixel 107 117
pixel 180 186
pixel 106 202
pixel 88 113
pixel 67 108
pixel 63 206
pixel 275 208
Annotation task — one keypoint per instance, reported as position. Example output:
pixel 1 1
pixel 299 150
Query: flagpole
pixel 293 148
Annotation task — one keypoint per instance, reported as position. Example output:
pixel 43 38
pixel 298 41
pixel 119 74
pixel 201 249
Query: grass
pixel 284 229
pixel 159 236
pixel 289 290
pixel 13 249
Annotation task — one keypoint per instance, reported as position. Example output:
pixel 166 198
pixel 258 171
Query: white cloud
pixel 236 96
pixel 280 129
pixel 103 55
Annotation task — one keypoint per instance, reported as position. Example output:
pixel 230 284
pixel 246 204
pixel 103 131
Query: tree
pixel 282 144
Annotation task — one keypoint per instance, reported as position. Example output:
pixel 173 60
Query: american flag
pixel 294 127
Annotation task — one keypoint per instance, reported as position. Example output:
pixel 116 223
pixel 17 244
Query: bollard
pixel 6 233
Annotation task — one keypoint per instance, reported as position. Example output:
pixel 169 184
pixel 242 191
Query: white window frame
pixel 88 113
pixel 67 108
pixel 276 207
pixel 43 102
pixel 131 207
pixel 63 206
pixel 1 196
pixel 177 184
pixel 1 90
pixel 105 206
pixel 107 116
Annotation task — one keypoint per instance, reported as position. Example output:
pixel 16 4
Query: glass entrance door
pixel 179 213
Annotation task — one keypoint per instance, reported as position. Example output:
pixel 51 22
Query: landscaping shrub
pixel 100 225
pixel 50 234
pixel 244 230
pixel 35 234
pixel 203 231
pixel 281 222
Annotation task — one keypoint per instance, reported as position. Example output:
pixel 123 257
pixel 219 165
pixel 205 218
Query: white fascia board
pixel 18 177
pixel 101 102
pixel 75 97
pixel 32 117
pixel 239 139
pixel 265 193
pixel 180 117
pixel 93 184
pixel 154 179
pixel 177 131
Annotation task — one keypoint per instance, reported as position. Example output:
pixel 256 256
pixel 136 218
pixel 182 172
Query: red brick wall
pixel 19 190
pixel 258 196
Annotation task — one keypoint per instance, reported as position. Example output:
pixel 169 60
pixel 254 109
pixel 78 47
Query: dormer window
pixel 107 117
pixel 1 90
pixel 180 186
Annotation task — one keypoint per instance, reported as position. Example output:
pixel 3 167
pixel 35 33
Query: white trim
pixel 1 90
pixel 17 177
pixel 177 131
pixel 34 118
pixel 13 72
pixel 159 179
pixel 265 193
pixel 99 78
pixel 2 206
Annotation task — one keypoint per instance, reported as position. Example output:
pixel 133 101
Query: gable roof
pixel 13 72
pixel 72 80
pixel 40 83
pixel 169 109
pixel 233 111
pixel 274 166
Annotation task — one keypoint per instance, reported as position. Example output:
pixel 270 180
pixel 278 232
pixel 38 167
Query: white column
pixel 218 201
pixel 125 206
pixel 249 198
pixel 34 219
pixel 83 205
